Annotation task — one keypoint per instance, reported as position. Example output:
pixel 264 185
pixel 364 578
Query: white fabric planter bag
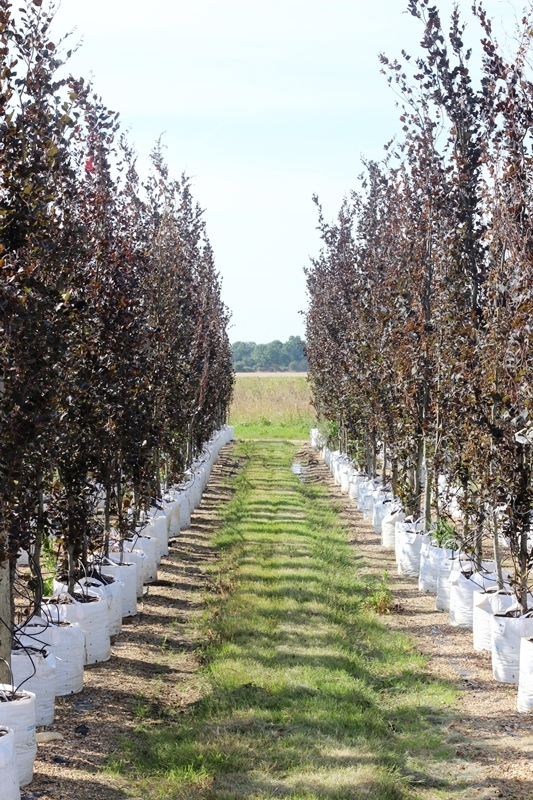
pixel 185 511
pixel 139 559
pixel 486 603
pixel 506 634
pixel 356 479
pixel 447 565
pixel 462 588
pixel 171 507
pixel 93 619
pixel 524 700
pixel 112 594
pixel 19 716
pixel 334 467
pixel 346 473
pixel 430 555
pixel 127 575
pixel 409 541
pixel 9 776
pixel 382 509
pixel 157 528
pixel 175 522
pixel 365 487
pixel 67 642
pixel 147 546
pixel 370 499
pixel 316 439
pixel 388 528
pixel 195 493
pixel 36 671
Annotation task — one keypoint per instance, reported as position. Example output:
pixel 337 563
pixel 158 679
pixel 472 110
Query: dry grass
pixel 273 406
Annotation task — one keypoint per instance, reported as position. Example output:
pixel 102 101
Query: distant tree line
pixel 275 356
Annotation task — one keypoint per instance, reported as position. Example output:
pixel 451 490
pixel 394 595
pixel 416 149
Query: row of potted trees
pixel 473 594
pixel 52 648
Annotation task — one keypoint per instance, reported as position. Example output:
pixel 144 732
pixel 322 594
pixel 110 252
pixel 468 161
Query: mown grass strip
pixel 310 695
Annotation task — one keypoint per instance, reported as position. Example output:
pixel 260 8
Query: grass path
pixel 307 694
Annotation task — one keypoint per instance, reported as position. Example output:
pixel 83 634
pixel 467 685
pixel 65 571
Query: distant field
pixel 272 406
pixel 271 374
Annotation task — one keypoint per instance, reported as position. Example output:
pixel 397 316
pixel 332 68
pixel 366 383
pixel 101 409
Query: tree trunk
pixel 6 624
pixel 427 488
pixel 35 555
pixel 417 488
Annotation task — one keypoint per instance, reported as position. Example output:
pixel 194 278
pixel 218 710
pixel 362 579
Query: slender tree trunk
pixel 427 488
pixel 417 488
pixel 394 475
pixel 107 519
pixel 496 550
pixel 35 555
pixel 71 569
pixel 384 465
pixel 6 624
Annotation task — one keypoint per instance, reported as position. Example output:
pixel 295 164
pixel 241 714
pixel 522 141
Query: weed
pixel 379 597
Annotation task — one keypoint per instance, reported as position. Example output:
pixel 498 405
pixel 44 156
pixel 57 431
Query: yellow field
pixel 272 405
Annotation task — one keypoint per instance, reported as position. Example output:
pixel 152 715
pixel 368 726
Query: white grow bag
pixel 447 565
pixel 524 700
pixel 173 507
pixel 356 479
pixel 362 490
pixel 93 618
pixel 409 538
pixel 506 634
pixel 145 545
pixel 462 588
pixel 126 573
pixel 486 604
pixel 185 511
pixel 382 509
pixel 346 473
pixel 35 671
pixel 112 594
pixel 9 776
pixel 388 528
pixel 157 528
pixel 19 716
pixel 136 557
pixel 67 642
pixel 428 575
pixel 370 499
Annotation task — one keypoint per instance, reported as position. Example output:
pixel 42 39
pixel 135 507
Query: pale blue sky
pixel 263 104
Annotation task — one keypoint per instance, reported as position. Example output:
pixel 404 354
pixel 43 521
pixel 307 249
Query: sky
pixel 263 104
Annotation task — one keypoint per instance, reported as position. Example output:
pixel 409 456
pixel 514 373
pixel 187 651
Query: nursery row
pixel 115 362
pixel 73 630
pixel 419 326
pixel 468 592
